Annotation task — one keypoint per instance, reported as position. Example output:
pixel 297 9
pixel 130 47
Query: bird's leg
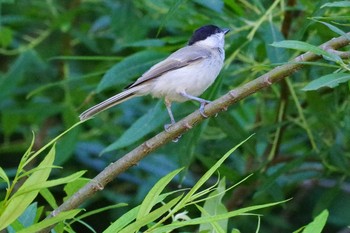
pixel 167 126
pixel 203 102
pixel 168 107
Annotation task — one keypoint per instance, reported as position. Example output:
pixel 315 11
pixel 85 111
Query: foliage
pixel 142 215
pixel 17 202
pixel 60 57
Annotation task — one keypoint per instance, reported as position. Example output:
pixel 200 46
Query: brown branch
pixel 232 97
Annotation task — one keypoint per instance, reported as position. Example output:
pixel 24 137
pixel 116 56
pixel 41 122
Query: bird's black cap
pixel 203 32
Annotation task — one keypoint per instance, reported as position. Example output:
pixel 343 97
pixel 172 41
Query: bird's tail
pixel 108 103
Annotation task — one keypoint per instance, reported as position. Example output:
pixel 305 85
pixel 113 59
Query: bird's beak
pixel 225 30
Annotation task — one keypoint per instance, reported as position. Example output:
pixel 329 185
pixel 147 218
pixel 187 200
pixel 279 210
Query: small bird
pixel 182 76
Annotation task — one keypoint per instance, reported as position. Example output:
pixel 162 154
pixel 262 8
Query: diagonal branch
pixel 220 104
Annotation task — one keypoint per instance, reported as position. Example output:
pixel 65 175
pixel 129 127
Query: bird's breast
pixel 193 79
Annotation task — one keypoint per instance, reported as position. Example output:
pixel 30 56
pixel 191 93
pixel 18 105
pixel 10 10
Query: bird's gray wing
pixel 181 58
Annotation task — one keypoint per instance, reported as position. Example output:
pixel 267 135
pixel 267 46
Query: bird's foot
pixel 201 108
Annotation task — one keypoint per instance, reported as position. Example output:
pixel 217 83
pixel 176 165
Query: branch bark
pixel 133 157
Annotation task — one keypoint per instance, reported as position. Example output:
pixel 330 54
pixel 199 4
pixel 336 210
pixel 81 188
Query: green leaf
pixel 334 29
pixel 196 221
pixel 4 177
pixel 270 33
pixel 337 4
pixel 191 195
pixel 214 206
pixel 305 47
pixel 10 122
pixel 152 196
pixel 141 127
pixel 26 219
pixel 49 197
pixel 50 221
pixel 25 62
pixel 147 43
pixel 269 182
pixel 6 36
pixel 215 5
pixel 17 204
pixel 99 210
pixel 66 146
pixel 7 1
pixel 318 224
pixel 151 216
pixel 74 186
pixel 330 80
pixel 129 68
pixel 51 183
pixel 235 6
pixel 211 171
pixel 211 226
pixel 124 220
pixel 25 160
pixel 130 216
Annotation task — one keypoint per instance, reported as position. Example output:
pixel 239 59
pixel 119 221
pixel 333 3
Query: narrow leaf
pixel 97 211
pixel 151 216
pixel 50 183
pixel 330 80
pixel 305 47
pixel 198 185
pixel 50 143
pixel 196 221
pixel 16 205
pixel 124 220
pixel 334 29
pixel 211 171
pixel 4 177
pixel 152 196
pixel 337 4
pixel 141 127
pixel 317 225
pixel 49 197
pixel 50 221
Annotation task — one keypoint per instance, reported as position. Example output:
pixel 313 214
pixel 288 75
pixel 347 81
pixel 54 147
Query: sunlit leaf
pixel 50 221
pixel 316 226
pixel 196 221
pixel 4 177
pixel 151 199
pixel 17 205
pixel 150 217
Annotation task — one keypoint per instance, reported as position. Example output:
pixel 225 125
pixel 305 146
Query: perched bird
pixel 182 76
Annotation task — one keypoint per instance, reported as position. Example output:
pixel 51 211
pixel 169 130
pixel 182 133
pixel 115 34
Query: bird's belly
pixel 193 80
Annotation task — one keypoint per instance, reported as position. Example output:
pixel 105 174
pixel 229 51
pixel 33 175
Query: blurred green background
pixel 57 58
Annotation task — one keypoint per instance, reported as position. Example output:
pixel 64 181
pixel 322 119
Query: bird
pixel 183 75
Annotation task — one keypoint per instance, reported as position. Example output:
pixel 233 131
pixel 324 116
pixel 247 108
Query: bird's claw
pixel 167 127
pixel 201 108
pixel 177 138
